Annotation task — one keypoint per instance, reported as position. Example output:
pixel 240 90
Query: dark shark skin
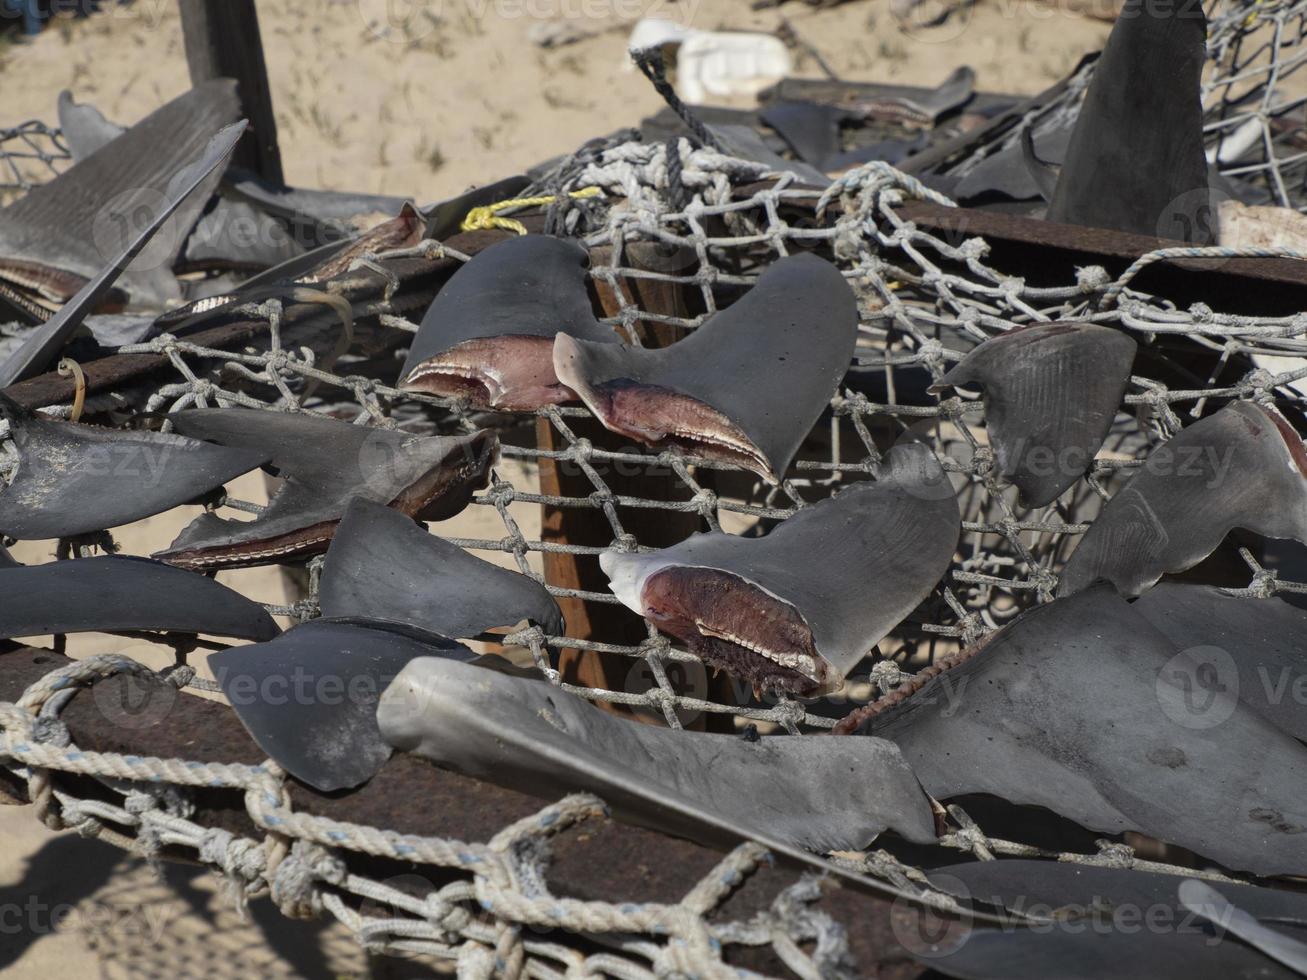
pixel 113 593
pixel 488 337
pixel 1204 901
pixel 1241 467
pixel 718 392
pixel 326 463
pixel 1051 391
pixel 73 479
pixel 818 592
pixel 55 238
pixel 810 129
pixel 1136 160
pixel 744 143
pixel 1082 707
pixel 1134 925
pixel 315 216
pixel 383 565
pixel 187 184
pixel 237 235
pixel 526 734
pixel 309 697
pixel 1263 638
pixel 1007 174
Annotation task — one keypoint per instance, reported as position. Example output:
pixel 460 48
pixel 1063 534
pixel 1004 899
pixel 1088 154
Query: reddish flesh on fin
pixel 659 417
pixel 513 373
pixel 716 613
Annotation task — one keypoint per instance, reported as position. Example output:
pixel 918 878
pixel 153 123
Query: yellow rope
pixel 70 367
pixel 488 217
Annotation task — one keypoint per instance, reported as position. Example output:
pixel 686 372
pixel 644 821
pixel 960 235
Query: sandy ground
pixel 423 97
pixel 418 98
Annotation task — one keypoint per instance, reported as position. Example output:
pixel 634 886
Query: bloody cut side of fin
pixel 798 609
pixel 513 373
pixel 663 418
pixel 326 463
pixel 732 624
pixel 747 386
pixel 488 338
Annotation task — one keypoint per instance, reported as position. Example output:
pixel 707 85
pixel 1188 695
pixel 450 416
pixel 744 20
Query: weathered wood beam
pixel 222 40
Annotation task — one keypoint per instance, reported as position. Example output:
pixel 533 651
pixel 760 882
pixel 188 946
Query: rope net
pixel 713 223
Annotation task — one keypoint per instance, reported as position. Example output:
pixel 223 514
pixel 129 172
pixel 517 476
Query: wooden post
pixel 222 41
pixel 658 528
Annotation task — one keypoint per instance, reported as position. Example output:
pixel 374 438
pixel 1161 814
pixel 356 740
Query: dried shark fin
pixel 1044 174
pixel 524 733
pixel 810 129
pixel 402 231
pixel 746 387
pixel 489 335
pixel 1082 707
pixel 115 593
pixel 1243 467
pixel 237 235
pixel 1206 902
pixel 445 217
pixel 383 565
pixel 221 235
pixel 1051 392
pixel 798 609
pixel 316 215
pixel 1007 173
pixel 1254 645
pixel 45 341
pixel 56 237
pixel 326 463
pixel 309 697
pixel 1136 159
pixel 73 479
pixel 745 143
pixel 1127 924
pixel 84 127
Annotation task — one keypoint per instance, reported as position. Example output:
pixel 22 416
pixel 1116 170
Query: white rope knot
pixel 1091 278
pixel 293 886
pixel 886 675
pixel 1115 855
